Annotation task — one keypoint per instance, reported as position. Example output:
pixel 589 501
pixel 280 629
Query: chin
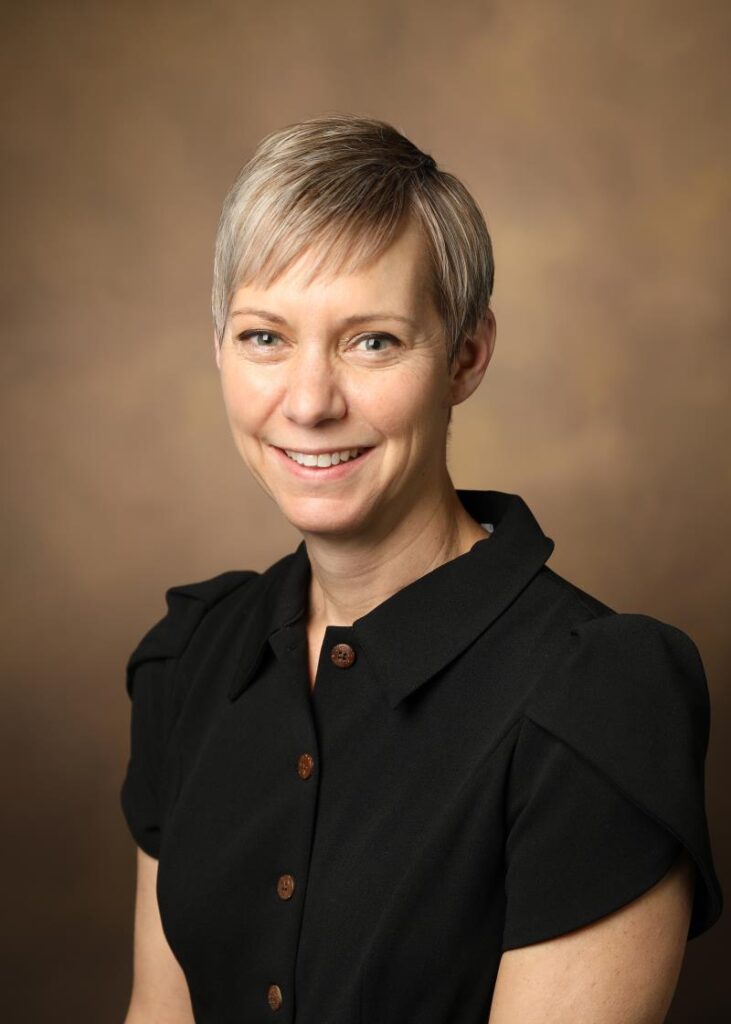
pixel 323 514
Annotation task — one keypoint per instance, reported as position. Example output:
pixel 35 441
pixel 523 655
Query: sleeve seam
pixel 607 778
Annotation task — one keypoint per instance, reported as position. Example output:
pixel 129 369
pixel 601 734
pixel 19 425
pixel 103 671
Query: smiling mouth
pixel 324 460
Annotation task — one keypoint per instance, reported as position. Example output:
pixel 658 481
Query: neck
pixel 350 578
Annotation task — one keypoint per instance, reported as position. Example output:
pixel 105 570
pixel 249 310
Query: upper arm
pixel 620 969
pixel 159 989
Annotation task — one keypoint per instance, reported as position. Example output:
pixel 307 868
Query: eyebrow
pixel 356 318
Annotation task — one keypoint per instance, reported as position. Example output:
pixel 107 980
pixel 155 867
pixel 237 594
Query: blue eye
pixel 379 337
pixel 256 334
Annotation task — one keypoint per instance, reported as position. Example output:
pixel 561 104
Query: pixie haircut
pixel 342 185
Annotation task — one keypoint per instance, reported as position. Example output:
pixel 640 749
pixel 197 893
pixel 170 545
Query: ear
pixel 474 356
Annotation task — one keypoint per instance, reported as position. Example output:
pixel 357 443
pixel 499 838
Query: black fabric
pixel 153 683
pixel 506 760
pixel 577 848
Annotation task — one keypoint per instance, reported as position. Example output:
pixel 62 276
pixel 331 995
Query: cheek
pixel 403 403
pixel 244 399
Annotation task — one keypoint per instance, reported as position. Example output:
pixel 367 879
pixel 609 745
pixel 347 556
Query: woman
pixel 408 773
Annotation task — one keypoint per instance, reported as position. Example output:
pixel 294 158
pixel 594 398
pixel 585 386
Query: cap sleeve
pixel 606 782
pixel 151 676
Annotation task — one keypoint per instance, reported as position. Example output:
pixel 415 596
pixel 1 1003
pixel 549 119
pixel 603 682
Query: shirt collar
pixel 421 628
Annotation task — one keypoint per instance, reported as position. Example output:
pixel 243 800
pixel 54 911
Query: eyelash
pixel 247 335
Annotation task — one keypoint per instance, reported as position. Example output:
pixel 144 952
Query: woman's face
pixel 356 361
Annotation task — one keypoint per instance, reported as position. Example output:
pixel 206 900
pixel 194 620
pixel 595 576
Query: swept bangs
pixel 340 187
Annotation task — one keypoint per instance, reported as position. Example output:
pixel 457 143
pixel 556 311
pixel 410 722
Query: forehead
pixel 399 279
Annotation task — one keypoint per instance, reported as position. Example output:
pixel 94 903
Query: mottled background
pixel 595 136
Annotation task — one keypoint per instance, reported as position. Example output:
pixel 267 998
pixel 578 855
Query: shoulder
pixel 576 604
pixel 187 605
pixel 598 658
pixel 627 693
pixel 624 669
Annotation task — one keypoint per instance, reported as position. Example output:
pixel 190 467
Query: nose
pixel 313 392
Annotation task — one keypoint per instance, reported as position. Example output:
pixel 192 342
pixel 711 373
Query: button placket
pixel 289 651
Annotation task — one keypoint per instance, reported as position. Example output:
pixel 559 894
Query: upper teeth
pixel 326 459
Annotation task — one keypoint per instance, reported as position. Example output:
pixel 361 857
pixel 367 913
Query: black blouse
pixel 491 757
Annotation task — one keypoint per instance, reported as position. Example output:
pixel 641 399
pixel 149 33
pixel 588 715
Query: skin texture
pixel 621 969
pixel 160 991
pixel 310 381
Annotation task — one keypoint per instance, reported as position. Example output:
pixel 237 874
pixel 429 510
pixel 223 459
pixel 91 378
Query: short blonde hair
pixel 342 184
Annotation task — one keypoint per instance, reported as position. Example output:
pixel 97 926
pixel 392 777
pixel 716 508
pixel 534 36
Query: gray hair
pixel 341 184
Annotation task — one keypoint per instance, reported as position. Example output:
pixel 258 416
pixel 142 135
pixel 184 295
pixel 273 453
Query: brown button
pixel 274 996
pixel 305 764
pixel 285 886
pixel 342 655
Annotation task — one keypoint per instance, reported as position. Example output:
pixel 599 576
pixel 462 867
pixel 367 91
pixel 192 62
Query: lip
pixel 325 473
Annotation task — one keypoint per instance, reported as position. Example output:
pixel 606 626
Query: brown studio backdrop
pixel 595 137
